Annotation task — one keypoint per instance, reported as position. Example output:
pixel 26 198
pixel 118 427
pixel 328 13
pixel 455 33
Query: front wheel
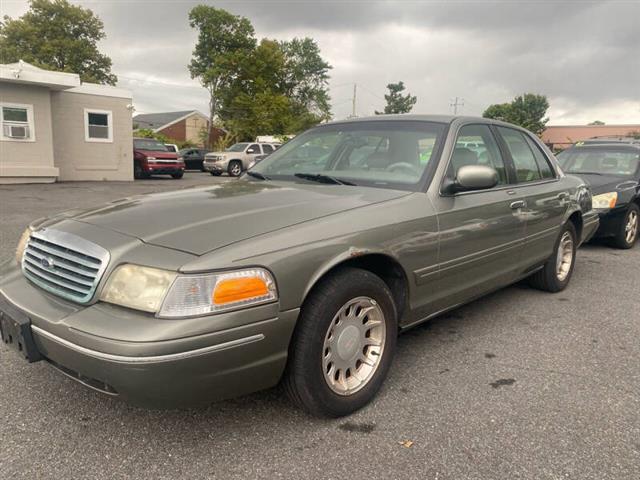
pixel 177 175
pixel 627 233
pixel 556 273
pixel 235 168
pixel 343 345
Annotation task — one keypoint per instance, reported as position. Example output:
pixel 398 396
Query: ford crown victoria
pixel 303 271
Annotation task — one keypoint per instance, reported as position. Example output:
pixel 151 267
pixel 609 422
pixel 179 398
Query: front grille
pixel 64 264
pixel 213 158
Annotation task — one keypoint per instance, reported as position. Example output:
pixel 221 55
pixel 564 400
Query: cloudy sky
pixel 584 55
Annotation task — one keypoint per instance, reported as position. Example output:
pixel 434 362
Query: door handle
pixel 518 204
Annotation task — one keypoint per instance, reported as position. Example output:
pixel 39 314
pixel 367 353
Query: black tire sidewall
pixel 315 394
pixel 621 240
pixel 230 169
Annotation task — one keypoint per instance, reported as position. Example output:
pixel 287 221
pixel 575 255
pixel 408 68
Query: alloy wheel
pixel 353 345
pixel 564 256
pixel 631 227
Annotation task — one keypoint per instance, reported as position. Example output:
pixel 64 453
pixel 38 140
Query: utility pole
pixel 458 102
pixel 353 102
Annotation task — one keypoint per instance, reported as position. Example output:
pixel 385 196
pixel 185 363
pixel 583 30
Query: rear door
pixel 481 232
pixel 536 181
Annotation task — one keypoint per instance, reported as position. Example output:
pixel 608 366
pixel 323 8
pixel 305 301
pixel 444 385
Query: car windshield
pixel 238 147
pixel 604 161
pixel 149 144
pixel 388 154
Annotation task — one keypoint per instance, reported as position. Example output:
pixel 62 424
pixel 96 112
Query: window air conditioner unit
pixel 16 131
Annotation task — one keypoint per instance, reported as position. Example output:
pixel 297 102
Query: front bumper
pixel 610 221
pixel 218 166
pixel 164 168
pixel 243 352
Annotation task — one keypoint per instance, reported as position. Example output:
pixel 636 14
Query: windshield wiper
pixel 257 175
pixel 321 178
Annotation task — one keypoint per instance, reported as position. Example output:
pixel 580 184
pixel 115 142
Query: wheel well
pixel 385 267
pixel 576 219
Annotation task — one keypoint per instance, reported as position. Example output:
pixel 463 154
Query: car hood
pixel 606 183
pixel 199 220
pixel 157 154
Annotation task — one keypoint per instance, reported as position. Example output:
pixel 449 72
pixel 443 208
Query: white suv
pixel 237 158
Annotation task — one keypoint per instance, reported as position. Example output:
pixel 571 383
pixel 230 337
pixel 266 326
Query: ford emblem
pixel 47 263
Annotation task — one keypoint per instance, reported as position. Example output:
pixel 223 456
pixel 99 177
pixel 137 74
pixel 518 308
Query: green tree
pixel 396 101
pixel 225 41
pixel 306 79
pixel 56 35
pixel 255 88
pixel 597 122
pixel 528 111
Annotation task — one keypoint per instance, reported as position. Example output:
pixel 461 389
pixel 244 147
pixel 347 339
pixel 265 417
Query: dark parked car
pixel 304 270
pixel 613 171
pixel 151 157
pixel 193 158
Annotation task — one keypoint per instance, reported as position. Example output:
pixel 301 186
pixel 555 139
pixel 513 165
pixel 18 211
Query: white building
pixel 54 127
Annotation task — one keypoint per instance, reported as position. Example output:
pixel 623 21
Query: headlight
pixel 151 158
pixel 142 288
pixel 605 201
pixel 172 295
pixel 22 244
pixel 192 295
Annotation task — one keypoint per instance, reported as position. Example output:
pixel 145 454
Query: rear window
pixel 603 161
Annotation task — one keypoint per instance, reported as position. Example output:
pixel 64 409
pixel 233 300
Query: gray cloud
pixel 583 55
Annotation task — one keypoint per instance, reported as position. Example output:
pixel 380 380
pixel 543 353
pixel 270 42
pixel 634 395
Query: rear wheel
pixel 557 271
pixel 343 345
pixel 235 168
pixel 627 233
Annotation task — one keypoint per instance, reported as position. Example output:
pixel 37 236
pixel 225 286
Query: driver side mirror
pixel 250 150
pixel 473 177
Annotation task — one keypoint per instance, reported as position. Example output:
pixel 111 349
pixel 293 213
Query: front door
pixel 481 232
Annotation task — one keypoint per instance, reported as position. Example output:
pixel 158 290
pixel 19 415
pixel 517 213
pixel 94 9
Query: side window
pixel 255 147
pixel 267 148
pixel 17 122
pixel 476 145
pixel 543 164
pixel 523 159
pixel 98 125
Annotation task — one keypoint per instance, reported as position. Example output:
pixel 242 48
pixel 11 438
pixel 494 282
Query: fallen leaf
pixel 406 443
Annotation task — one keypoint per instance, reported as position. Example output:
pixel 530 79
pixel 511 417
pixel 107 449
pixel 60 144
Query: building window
pixel 98 125
pixel 17 122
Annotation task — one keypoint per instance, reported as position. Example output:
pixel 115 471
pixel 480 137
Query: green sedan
pixel 303 271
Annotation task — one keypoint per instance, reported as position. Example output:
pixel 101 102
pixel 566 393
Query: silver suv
pixel 237 158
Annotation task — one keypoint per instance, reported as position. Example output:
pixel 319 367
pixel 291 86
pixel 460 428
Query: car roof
pixel 446 119
pixel 632 147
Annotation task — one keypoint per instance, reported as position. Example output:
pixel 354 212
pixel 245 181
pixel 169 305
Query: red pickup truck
pixel 151 157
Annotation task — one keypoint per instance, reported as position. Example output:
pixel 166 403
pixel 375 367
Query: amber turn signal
pixel 232 290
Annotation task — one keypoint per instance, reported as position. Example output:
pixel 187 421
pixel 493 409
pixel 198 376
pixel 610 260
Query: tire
pixel 627 233
pixel 555 276
pixel 329 329
pixel 177 175
pixel 138 172
pixel 235 168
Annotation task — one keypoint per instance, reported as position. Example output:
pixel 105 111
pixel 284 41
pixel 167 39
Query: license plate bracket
pixel 15 332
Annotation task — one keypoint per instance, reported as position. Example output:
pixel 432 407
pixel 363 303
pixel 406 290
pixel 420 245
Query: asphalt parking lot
pixel 520 384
